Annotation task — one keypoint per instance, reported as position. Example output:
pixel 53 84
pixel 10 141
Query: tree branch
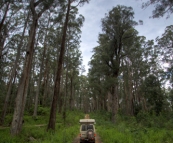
pixel 37 3
pixel 107 63
pixel 128 37
pixel 5 14
pixel 81 1
pixel 32 7
pixel 46 7
pixel 123 55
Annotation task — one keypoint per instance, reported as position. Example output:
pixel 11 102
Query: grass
pixel 128 130
pixel 40 135
pixel 142 129
pixel 113 135
pixel 65 133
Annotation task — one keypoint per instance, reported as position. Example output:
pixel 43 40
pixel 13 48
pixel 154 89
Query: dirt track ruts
pixel 77 139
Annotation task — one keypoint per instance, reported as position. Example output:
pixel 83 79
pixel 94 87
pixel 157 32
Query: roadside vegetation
pixel 34 129
pixel 144 128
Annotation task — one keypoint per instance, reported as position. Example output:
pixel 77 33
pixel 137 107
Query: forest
pixel 44 91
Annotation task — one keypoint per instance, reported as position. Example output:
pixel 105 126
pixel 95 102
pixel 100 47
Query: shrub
pixel 42 110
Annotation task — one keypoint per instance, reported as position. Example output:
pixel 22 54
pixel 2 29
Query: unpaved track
pixel 77 139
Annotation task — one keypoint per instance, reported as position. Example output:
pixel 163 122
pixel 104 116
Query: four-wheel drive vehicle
pixel 87 130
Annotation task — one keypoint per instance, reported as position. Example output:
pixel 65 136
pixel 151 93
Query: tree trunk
pixel 80 101
pixel 52 119
pixel 61 99
pixel 45 81
pixel 1 25
pixel 144 104
pixel 31 87
pixel 71 93
pixel 109 102
pixel 130 86
pixel 97 103
pixel 13 73
pixel 41 69
pixel 105 103
pixel 23 86
pixel 13 92
pixel 114 103
pixel 131 98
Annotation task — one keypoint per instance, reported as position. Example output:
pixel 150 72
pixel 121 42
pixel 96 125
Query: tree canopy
pixel 161 7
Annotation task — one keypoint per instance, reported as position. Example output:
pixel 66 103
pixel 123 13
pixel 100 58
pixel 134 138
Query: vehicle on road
pixel 87 130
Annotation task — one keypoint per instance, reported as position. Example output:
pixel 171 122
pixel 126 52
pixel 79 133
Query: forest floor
pixel 127 130
pixel 77 139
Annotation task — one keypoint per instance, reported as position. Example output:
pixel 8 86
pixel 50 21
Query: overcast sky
pixel 95 11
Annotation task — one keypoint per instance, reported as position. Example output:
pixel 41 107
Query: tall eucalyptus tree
pixel 14 69
pixel 74 55
pixel 99 80
pixel 118 35
pixel 153 93
pixel 52 119
pixel 165 48
pixel 41 65
pixel 16 125
pixel 8 24
pixel 135 67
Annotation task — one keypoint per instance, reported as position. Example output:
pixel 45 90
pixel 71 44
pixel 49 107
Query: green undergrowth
pixel 34 129
pixel 143 129
pixel 40 135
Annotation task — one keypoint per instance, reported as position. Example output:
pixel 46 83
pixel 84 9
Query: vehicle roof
pixel 87 121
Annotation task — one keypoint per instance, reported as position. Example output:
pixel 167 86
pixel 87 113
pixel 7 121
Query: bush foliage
pixel 34 129
pixel 144 128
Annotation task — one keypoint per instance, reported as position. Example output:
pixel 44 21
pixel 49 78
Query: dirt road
pixel 77 139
